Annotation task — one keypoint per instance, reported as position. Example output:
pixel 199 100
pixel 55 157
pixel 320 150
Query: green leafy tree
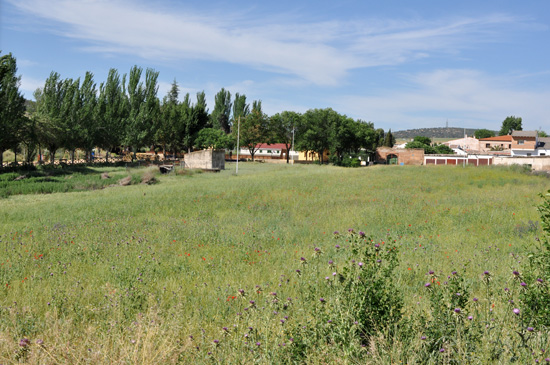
pixel 343 137
pixel 12 105
pixel 282 129
pixel 509 125
pixel 144 108
pixel 212 138
pixel 195 119
pixel 423 140
pixel 483 133
pixel 389 139
pixel 542 133
pixel 49 113
pixel 220 117
pixel 87 118
pixel 254 129
pixel 240 108
pixel 111 112
pixel 443 149
pixel 314 132
pixel 166 131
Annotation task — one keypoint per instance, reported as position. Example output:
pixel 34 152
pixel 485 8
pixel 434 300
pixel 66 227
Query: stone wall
pixel 206 159
pixel 405 156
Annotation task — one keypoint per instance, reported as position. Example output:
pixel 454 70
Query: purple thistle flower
pixel 516 311
pixel 337 246
pixel 523 284
pixel 302 259
pixel 322 300
pixel 258 343
pixel 24 342
pixel 475 299
pixel 330 262
pixel 457 310
pixel 361 234
pixel 516 273
pixel 442 350
pixel 225 329
pixel 539 280
pixel 360 264
pixel 376 245
pixel 379 261
pixel 427 285
pixel 470 318
pixel 336 232
pixel 350 230
pixel 216 341
pixel 530 329
pixel 486 273
pixel 431 272
pixel 454 273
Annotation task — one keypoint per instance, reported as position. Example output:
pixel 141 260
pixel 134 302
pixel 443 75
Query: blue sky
pixel 399 64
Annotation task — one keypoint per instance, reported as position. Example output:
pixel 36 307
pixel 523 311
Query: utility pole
pixel 238 147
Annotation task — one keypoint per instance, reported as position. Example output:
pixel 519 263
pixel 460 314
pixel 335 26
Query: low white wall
pixel 205 159
pixel 537 163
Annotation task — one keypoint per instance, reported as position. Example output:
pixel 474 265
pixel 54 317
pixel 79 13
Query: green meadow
pixel 202 267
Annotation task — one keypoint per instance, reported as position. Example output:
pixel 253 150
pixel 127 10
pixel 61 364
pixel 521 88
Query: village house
pixel 524 143
pixel 497 143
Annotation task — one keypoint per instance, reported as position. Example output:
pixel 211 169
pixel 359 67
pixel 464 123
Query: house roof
pixel 274 146
pixel 507 138
pixel 524 133
pixel 544 139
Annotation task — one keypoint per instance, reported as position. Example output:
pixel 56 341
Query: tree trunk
pixel 1 159
pixel 72 157
pixel 107 156
pixel 164 151
pixel 287 153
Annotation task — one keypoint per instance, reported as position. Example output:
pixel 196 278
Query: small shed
pixel 209 159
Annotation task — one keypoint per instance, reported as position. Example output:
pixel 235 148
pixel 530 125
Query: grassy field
pixel 203 267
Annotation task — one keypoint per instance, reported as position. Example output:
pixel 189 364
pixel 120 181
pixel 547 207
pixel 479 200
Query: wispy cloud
pixel 468 98
pixel 321 53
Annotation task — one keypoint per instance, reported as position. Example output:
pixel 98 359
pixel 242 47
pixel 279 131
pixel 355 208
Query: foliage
pixel 282 129
pixel 425 143
pixel 483 133
pixel 212 138
pixel 220 117
pixel 509 125
pixel 254 129
pixel 423 140
pixel 12 106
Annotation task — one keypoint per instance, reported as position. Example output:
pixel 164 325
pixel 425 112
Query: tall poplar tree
pixel 220 117
pixel 12 105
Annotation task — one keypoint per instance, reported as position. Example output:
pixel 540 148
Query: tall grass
pixel 128 274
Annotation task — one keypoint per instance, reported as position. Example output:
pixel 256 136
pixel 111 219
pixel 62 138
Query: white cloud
pixel 29 85
pixel 465 97
pixel 319 52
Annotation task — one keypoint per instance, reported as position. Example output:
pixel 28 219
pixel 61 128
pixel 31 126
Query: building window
pixel 543 154
pixel 521 141
pixel 528 155
pixel 268 151
pixel 487 145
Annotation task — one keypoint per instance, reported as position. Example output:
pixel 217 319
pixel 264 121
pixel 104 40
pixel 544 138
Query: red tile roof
pixel 274 146
pixel 507 138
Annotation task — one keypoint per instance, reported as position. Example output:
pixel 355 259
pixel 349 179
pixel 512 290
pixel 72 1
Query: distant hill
pixel 441 132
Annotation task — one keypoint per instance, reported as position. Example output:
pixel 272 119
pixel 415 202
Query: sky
pixel 398 64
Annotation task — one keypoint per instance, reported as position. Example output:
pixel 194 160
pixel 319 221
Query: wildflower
pixel 327 278
pixel 516 273
pixel 216 342
pixel 360 264
pixel 442 350
pixel 258 343
pixel 350 230
pixel 530 329
pixel 361 234
pixel 470 318
pixel 457 310
pixel 376 245
pixel 330 262
pixel 475 299
pixel 225 329
pixel 454 273
pixel 427 285
pixel 516 311
pixel 337 246
pixel 431 272
pixel 322 300
pixel 336 233
pixel 539 280
pixel 523 284
pixel 24 342
pixel 423 337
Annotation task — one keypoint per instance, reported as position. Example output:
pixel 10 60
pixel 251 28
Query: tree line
pixel 124 113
